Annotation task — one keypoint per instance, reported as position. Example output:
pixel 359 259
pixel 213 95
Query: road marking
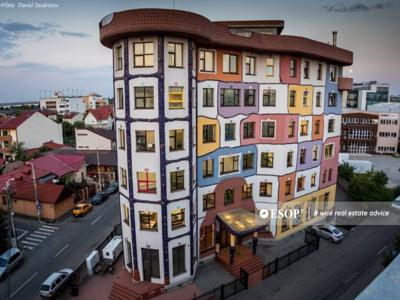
pixel 39 236
pixel 380 251
pixel 59 252
pixel 24 232
pixel 50 227
pixel 66 220
pixel 30 243
pixel 98 218
pixel 28 247
pixel 47 230
pixel 42 232
pixel 350 278
pixel 23 285
pixel 33 239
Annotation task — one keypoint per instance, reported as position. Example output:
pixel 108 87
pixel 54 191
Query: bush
pixel 370 187
pixel 346 171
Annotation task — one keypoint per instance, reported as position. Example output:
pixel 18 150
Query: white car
pixel 55 283
pixel 329 232
pixel 396 203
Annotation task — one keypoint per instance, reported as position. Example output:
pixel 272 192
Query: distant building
pixel 95 139
pixel 31 128
pixel 93 101
pixel 62 104
pixel 395 98
pixel 52 115
pixel 101 117
pixel 73 117
pixel 366 93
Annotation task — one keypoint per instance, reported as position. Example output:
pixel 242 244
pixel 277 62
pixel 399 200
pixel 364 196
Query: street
pixel 51 247
pixel 335 271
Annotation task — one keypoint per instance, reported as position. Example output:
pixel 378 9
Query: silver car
pixel 55 283
pixel 329 232
pixel 9 260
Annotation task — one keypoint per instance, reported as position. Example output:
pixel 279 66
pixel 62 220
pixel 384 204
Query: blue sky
pixel 47 49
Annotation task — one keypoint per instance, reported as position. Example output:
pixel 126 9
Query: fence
pixel 226 290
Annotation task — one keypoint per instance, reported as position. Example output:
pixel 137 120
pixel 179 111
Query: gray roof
pixel 106 157
pixel 108 134
pixel 392 107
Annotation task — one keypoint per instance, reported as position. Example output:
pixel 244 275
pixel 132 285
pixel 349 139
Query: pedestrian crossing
pixel 32 240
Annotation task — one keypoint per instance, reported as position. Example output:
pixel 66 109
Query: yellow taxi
pixel 82 209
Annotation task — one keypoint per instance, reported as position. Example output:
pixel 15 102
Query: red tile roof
pixel 204 32
pixel 102 113
pixel 47 112
pixel 47 192
pixel 54 146
pixel 23 173
pixel 13 123
pixel 59 164
pixel 70 115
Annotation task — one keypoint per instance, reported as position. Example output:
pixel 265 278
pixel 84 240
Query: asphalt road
pixel 64 244
pixel 335 271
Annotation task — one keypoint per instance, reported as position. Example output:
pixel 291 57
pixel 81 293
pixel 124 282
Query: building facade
pixel 94 139
pixel 62 104
pixel 212 120
pixel 366 93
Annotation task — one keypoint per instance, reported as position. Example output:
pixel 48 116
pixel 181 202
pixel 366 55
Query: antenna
pixel 173 4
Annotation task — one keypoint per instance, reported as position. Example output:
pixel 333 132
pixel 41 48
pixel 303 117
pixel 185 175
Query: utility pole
pixel 98 168
pixel 8 190
pixel 35 191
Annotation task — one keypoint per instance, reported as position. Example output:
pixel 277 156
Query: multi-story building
pixel 62 104
pixel 93 101
pixel 215 122
pixel 366 93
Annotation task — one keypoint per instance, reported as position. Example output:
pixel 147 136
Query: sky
pixel 58 48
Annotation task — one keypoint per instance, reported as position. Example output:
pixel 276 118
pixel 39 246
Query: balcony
pixel 345 83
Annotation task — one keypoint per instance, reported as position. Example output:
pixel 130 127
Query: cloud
pixel 74 34
pixel 357 7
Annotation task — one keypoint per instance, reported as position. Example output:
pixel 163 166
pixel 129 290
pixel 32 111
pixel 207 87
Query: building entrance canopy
pixel 241 222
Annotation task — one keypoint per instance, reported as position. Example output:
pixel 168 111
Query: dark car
pixel 112 188
pixel 99 198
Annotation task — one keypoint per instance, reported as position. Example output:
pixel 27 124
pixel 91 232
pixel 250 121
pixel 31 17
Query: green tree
pixel 17 151
pixel 4 231
pixel 79 125
pixel 346 171
pixel 380 178
pixel 370 187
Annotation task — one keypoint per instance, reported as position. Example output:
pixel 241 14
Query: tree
pixel 346 171
pixel 370 187
pixel 17 151
pixel 4 231
pixel 79 125
pixel 380 178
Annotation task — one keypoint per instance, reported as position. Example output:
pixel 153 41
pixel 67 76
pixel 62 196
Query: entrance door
pixel 151 264
pixel 224 238
pixel 128 251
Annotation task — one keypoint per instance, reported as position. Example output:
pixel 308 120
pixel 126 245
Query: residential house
pixel 95 139
pixel 101 117
pixel 52 115
pixel 73 117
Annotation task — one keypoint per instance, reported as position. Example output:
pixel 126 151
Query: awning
pixel 241 222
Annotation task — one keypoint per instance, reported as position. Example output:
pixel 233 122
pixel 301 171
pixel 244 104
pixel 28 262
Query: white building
pixel 62 104
pixel 101 117
pixel 93 101
pixel 73 117
pixel 94 139
pixel 365 94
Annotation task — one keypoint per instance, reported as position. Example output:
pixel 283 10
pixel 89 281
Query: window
pixel 317 125
pixel 248 159
pixel 318 99
pixel 270 67
pixel 300 183
pixel 118 58
pixel 230 97
pixel 178 260
pixel 288 187
pixel 209 133
pixel 177 179
pixel 297 217
pixel 268 129
pixel 207 59
pixel 208 97
pixel 120 98
pixel 175 97
pixel 175 55
pixel 332 99
pixel 176 139
pixel 177 218
pixel 326 200
pixel 249 97
pixel 285 224
pixel 208 168
pixel 269 97
pixel 124 178
pixel 324 177
pixel 230 132
pixel 145 141
pixel 292 98
pixel 247 191
pixel 291 128
pixel 206 237
pixel 331 125
pixel 230 63
pixel 305 98
pixel 302 156
pixel 229 196
pixel 125 214
pixel 313 179
pixel 121 138
pixel 333 73
pixel 315 153
pixel 306 70
pixel 293 67
pixel 289 159
pixel 250 65
pixel 319 72
pixel 148 220
pixel 330 174
pixel 143 54
pixel 146 182
pixel 229 164
pixel 144 97
pixel 248 130
pixel 329 151
pixel 267 160
pixel 303 128
pixel 208 201
pixel 265 189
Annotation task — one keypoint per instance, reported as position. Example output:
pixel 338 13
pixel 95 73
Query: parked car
pixel 56 283
pixel 112 188
pixel 396 203
pixel 328 231
pixel 99 198
pixel 9 260
pixel 82 209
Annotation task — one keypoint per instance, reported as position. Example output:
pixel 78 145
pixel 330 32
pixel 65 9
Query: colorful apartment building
pixel 215 121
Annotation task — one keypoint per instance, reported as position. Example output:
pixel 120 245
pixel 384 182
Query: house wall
pixel 88 140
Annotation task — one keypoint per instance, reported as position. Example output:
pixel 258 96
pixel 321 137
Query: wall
pixel 88 140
